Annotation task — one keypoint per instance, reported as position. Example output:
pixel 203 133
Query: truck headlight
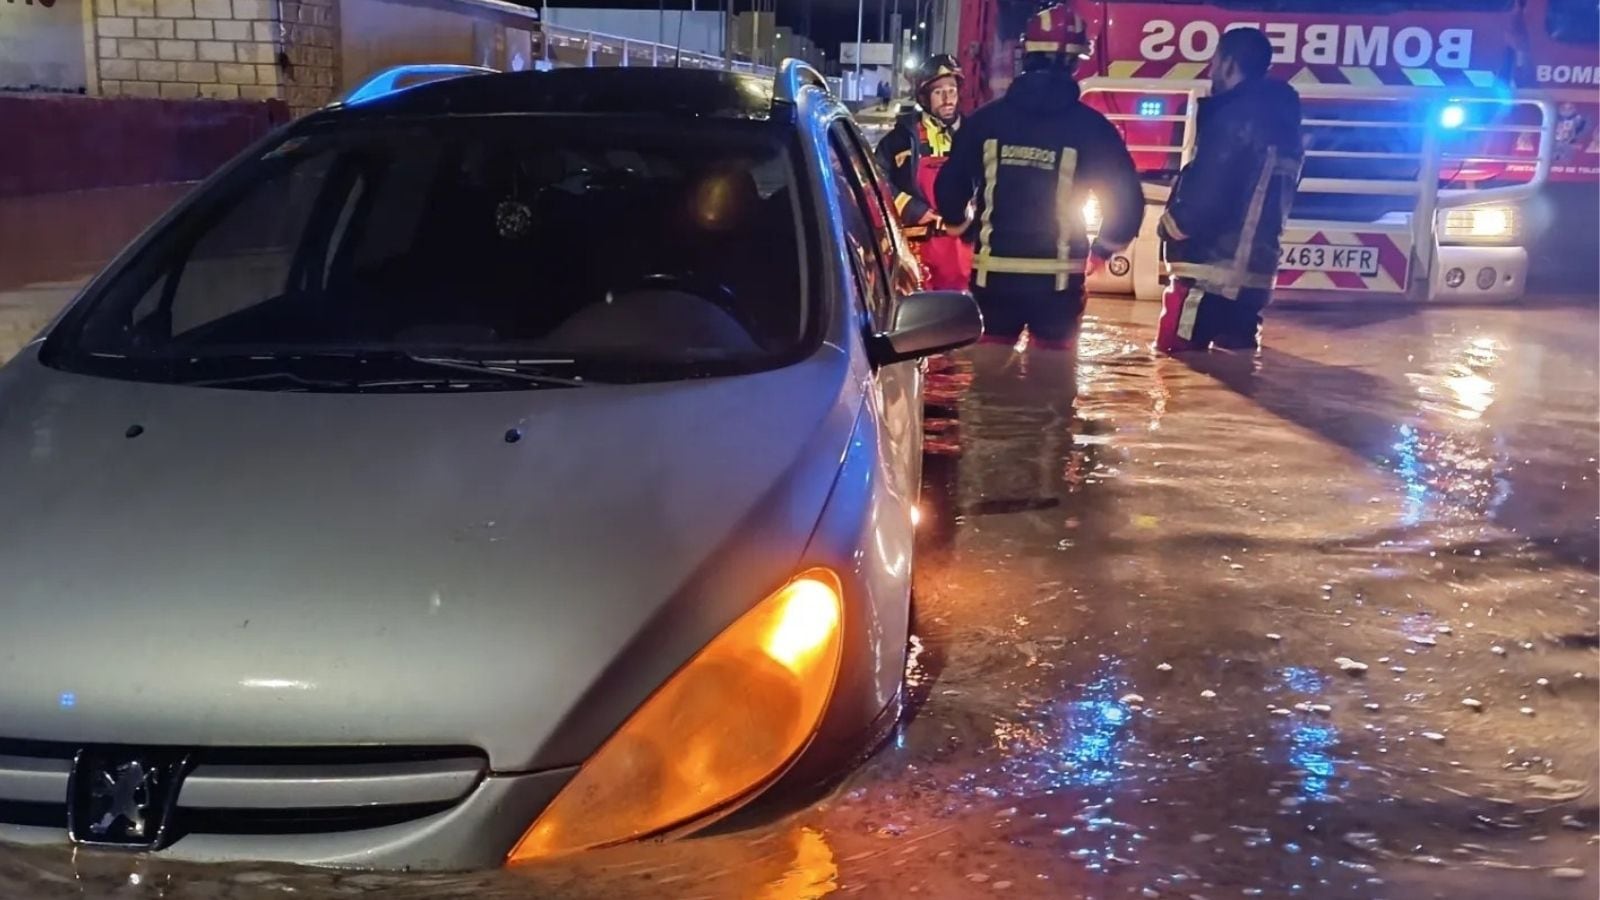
pixel 1481 223
pixel 723 727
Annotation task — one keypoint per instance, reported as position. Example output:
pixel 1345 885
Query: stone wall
pixel 218 49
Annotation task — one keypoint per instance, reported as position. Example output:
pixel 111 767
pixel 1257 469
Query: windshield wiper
pixel 356 371
pixel 300 382
pixel 516 370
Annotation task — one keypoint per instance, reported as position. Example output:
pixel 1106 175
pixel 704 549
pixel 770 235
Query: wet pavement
pixel 1317 623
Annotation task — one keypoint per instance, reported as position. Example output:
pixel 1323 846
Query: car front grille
pixel 279 790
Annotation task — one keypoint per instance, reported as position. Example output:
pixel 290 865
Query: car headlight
pixel 1481 223
pixel 1091 217
pixel 722 727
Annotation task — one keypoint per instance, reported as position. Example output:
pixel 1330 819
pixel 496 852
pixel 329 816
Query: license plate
pixel 1360 259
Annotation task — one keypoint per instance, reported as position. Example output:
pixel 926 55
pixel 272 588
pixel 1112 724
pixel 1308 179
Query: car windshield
pixel 584 248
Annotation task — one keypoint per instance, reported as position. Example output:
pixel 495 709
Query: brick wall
pixel 218 49
pixel 311 35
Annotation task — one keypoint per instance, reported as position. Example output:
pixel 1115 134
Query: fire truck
pixel 1445 138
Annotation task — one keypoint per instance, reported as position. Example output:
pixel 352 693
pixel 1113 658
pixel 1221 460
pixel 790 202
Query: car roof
pixel 594 91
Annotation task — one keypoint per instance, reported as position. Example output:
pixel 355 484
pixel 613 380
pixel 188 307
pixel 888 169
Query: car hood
pixel 261 568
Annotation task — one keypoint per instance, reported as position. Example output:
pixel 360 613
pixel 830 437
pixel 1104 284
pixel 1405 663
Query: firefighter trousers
pixel 946 261
pixel 1050 317
pixel 1192 319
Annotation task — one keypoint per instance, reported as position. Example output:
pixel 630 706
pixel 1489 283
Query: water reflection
pixel 1077 743
pixel 813 872
pixel 1310 751
pixel 1449 458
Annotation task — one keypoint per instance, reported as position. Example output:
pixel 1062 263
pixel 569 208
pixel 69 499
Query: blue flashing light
pixel 1150 109
pixel 68 700
pixel 1452 116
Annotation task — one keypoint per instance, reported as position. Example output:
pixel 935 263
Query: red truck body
pixel 1538 48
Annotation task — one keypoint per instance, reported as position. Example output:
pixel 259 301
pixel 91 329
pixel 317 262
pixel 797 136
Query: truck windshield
pixel 625 249
pixel 1573 21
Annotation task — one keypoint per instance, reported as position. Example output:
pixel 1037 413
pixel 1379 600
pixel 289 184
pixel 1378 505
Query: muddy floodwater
pixel 1318 623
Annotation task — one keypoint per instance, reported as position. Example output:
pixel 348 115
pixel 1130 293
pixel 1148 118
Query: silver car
pixel 479 471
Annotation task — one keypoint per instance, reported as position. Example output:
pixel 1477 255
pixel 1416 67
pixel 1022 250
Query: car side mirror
pixel 928 323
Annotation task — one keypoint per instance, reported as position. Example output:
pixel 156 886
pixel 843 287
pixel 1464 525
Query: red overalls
pixel 946 259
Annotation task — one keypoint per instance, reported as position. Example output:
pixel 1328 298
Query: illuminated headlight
pixel 1481 223
pixel 721 729
pixel 1091 217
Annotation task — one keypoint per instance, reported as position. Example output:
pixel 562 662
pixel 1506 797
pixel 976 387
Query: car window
pixel 865 231
pixel 867 170
pixel 1573 21
pixel 644 250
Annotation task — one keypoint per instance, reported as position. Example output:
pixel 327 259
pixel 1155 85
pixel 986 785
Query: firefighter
pixel 912 154
pixel 1027 163
pixel 1225 217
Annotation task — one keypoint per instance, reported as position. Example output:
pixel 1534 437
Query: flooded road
pixel 1320 623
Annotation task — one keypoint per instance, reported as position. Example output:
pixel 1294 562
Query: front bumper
pixel 1485 274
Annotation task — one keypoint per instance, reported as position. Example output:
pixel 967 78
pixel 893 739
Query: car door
pixel 885 274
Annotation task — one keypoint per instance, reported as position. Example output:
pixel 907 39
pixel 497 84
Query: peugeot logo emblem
pixel 122 799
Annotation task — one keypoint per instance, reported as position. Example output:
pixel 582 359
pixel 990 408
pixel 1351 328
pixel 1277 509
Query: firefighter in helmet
pixel 1027 163
pixel 912 153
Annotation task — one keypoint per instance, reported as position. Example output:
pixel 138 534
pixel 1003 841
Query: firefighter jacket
pixel 917 136
pixel 1030 161
pixel 1225 217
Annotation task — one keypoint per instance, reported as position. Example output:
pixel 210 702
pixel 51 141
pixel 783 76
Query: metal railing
pixel 562 47
pixel 1427 149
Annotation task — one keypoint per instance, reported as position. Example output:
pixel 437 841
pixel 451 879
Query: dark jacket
pixel 1225 217
pixel 1030 161
pixel 900 152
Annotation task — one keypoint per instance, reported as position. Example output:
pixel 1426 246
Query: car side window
pixel 861 239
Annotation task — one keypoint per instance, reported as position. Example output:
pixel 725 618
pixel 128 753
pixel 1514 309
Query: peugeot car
pixel 475 471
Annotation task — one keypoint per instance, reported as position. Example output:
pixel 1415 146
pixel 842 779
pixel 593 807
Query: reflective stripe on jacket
pixel 1030 161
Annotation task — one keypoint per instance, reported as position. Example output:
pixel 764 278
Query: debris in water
pixel 1202 838
pixel 1574 823
pixel 1543 682
pixel 1274 636
pixel 1444 629
pixel 1556 789
pixel 1208 694
pixel 1002 885
pixel 1363 840
pixel 1498 650
pixel 1149 892
pixel 1566 873
pixel 1346 664
pixel 1472 704
pixel 1434 736
pixel 1131 698
pixel 977 878
pixel 1526 710
pixel 1424 640
pixel 1164 667
pixel 1371 707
